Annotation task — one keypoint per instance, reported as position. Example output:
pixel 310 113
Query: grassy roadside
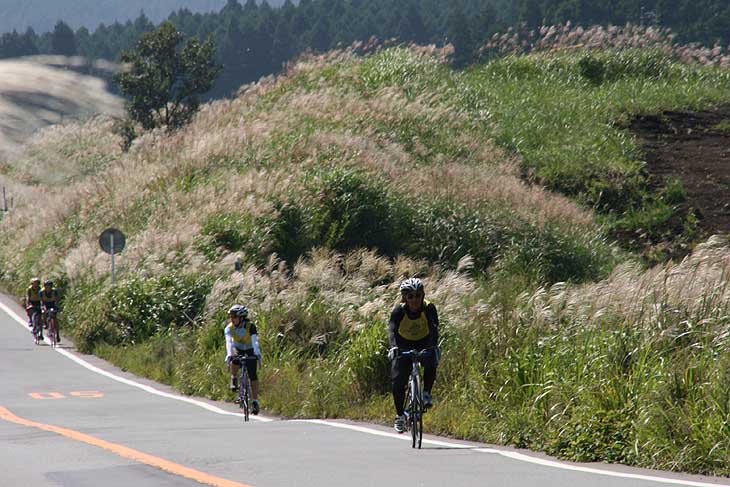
pixel 555 339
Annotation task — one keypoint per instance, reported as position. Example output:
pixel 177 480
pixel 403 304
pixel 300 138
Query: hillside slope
pixel 34 95
pixel 350 172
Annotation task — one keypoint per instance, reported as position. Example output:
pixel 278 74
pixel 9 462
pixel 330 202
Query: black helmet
pixel 48 283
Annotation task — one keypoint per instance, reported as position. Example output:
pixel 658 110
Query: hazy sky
pixel 42 15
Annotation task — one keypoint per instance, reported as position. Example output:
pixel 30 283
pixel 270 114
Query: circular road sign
pixel 112 235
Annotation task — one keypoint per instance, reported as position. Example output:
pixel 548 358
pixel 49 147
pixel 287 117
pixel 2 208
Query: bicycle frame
pixel 37 323
pixel 244 391
pixel 52 320
pixel 414 396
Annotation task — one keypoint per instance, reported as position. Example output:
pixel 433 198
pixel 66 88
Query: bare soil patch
pixel 693 147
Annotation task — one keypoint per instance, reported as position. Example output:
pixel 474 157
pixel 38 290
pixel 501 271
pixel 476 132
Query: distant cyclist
pixel 414 325
pixel 242 340
pixel 49 303
pixel 33 300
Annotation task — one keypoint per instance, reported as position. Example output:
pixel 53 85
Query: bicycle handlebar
pixel 238 359
pixel 417 354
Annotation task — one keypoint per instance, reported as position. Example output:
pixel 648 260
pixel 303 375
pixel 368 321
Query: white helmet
pixel 238 310
pixel 413 284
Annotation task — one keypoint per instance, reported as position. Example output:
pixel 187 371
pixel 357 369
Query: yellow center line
pixel 125 452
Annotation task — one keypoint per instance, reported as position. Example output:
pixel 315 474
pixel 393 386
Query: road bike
pixel 36 324
pixel 414 394
pixel 52 321
pixel 244 390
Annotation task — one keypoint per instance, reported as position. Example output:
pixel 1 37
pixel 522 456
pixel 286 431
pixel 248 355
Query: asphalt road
pixel 72 420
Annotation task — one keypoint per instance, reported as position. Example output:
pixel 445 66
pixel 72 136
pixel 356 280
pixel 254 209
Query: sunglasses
pixel 413 295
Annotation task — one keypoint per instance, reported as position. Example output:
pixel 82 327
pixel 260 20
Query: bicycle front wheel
pixel 416 422
pixel 37 328
pixel 53 330
pixel 245 395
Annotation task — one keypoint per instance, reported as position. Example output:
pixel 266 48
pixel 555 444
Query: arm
pixel 229 343
pixel 433 324
pixel 255 340
pixel 396 316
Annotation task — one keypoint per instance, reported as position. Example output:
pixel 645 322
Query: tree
pixel 284 46
pixel 410 25
pixel 164 78
pixel 531 13
pixel 669 12
pixel 232 53
pixel 63 40
pixel 459 35
pixel 320 37
pixel 232 9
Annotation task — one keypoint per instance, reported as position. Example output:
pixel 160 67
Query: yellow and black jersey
pixel 33 295
pixel 241 336
pixel 49 298
pixel 417 330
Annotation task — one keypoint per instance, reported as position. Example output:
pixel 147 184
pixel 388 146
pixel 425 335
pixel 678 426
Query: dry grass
pixel 567 37
pixel 693 292
pixel 232 142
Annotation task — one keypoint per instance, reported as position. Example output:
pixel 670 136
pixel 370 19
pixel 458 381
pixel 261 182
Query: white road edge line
pixel 362 429
pixel 514 456
pixel 146 388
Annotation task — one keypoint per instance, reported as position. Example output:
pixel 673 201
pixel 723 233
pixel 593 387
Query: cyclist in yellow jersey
pixel 33 299
pixel 49 302
pixel 414 325
pixel 242 340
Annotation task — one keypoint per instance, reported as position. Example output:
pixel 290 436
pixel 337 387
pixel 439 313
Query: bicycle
pixel 36 325
pixel 52 321
pixel 414 395
pixel 244 384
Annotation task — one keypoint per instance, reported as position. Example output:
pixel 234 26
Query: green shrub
pixel 551 253
pixel 352 209
pixel 612 66
pixel 236 232
pixel 673 192
pixel 592 69
pixel 596 435
pixel 291 231
pixel 446 232
pixel 137 309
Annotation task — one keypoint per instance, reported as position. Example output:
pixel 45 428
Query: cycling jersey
pixel 417 330
pixel 49 298
pixel 241 338
pixel 34 295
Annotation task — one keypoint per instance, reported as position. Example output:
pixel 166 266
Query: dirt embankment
pixel 694 148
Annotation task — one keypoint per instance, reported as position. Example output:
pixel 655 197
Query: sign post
pixel 112 242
